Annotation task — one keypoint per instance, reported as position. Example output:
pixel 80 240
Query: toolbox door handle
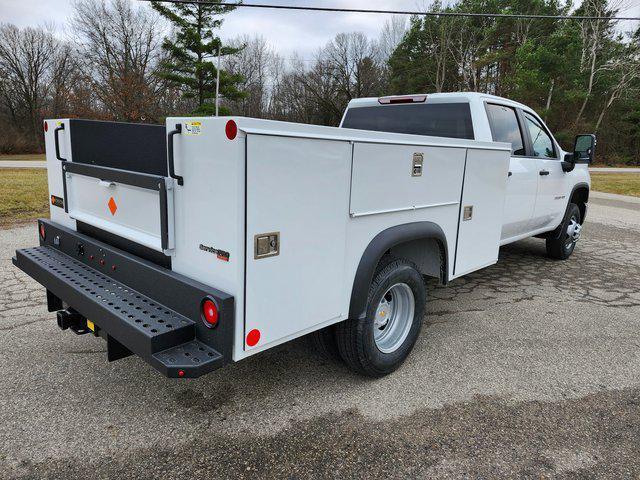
pixel 57 142
pixel 172 172
pixel 106 184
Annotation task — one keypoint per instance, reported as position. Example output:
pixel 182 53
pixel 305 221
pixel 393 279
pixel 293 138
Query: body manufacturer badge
pixel 221 254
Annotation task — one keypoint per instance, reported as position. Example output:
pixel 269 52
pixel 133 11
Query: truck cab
pixel 543 178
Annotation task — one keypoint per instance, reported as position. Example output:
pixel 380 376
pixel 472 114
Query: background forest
pixel 141 63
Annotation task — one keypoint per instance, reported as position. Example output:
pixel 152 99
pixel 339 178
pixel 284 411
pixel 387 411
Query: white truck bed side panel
pixel 209 209
pixel 299 188
pixel 484 190
pixel 383 181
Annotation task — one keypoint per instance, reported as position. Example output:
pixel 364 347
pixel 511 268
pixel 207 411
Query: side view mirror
pixel 584 149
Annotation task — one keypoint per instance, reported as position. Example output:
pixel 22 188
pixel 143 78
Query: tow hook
pixel 70 319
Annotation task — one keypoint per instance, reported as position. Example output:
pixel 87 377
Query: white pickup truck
pixel 209 240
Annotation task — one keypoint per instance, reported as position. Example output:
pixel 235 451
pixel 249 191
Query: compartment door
pixel 481 210
pixel 297 195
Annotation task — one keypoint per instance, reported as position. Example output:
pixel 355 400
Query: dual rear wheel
pixel 378 344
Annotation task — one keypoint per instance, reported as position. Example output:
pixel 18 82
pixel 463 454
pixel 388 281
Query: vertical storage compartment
pixel 298 196
pixel 481 209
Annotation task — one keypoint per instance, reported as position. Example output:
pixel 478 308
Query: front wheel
pixel 563 246
pixel 379 343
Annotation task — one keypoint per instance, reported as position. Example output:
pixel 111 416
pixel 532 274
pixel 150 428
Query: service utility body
pixel 208 240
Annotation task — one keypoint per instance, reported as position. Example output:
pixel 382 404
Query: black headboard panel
pixel 127 146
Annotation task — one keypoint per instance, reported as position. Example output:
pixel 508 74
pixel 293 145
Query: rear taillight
pixel 210 314
pixel 43 234
pixel 404 99
pixel 46 126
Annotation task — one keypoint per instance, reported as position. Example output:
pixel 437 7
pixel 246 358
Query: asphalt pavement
pixel 527 369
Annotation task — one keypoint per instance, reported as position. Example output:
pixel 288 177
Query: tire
pixel 325 344
pixel 397 298
pixel 562 247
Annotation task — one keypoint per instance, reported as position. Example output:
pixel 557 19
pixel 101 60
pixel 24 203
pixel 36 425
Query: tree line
pixel 135 63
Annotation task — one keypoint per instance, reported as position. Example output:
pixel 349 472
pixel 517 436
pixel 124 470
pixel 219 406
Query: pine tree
pixel 192 52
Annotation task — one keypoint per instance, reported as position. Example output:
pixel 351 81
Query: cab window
pixel 505 127
pixel 450 120
pixel 540 140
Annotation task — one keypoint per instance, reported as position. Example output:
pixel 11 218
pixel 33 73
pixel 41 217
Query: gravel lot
pixel 530 368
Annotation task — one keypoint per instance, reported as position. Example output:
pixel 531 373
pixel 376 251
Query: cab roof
pixel 455 97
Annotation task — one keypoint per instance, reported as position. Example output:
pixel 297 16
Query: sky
pixel 303 32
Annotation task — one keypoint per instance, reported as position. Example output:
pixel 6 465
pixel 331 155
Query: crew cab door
pixel 522 184
pixel 552 180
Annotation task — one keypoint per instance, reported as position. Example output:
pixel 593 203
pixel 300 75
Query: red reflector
pixel 231 129
pixel 181 373
pixel 253 338
pixel 43 234
pixel 46 126
pixel 210 313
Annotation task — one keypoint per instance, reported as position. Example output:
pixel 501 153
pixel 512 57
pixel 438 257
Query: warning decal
pixel 193 128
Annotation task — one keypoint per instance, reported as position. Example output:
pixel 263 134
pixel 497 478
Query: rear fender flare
pixel 382 243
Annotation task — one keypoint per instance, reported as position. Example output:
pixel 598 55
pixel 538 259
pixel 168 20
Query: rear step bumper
pixel 136 306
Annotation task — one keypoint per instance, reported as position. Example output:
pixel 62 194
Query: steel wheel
pixel 394 317
pixel 573 233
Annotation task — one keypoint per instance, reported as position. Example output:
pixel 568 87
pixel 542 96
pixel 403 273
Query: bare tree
pixel 393 31
pixel 626 70
pixel 464 49
pixel 120 48
pixel 592 33
pixel 351 59
pixel 253 63
pixel 34 74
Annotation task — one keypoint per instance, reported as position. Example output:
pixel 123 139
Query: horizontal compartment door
pixel 396 178
pixel 134 206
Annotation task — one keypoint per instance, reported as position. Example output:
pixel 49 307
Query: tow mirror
pixel 584 149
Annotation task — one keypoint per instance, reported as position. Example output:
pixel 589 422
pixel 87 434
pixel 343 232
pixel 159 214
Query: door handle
pixel 172 172
pixel 544 173
pixel 106 184
pixel 56 141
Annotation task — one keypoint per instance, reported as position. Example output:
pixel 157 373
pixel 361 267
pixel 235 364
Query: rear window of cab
pixel 449 120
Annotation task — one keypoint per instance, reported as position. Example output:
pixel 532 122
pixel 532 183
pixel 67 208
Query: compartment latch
pixel 266 245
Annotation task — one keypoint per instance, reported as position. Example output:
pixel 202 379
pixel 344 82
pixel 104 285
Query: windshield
pixel 451 120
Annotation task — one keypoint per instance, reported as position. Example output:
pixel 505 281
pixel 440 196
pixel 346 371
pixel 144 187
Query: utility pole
pixel 218 85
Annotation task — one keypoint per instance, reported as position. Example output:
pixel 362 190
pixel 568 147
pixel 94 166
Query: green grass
pixel 24 194
pixel 620 183
pixel 24 157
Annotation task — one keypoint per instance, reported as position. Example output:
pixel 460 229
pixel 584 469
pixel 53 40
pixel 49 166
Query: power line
pixel 399 12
